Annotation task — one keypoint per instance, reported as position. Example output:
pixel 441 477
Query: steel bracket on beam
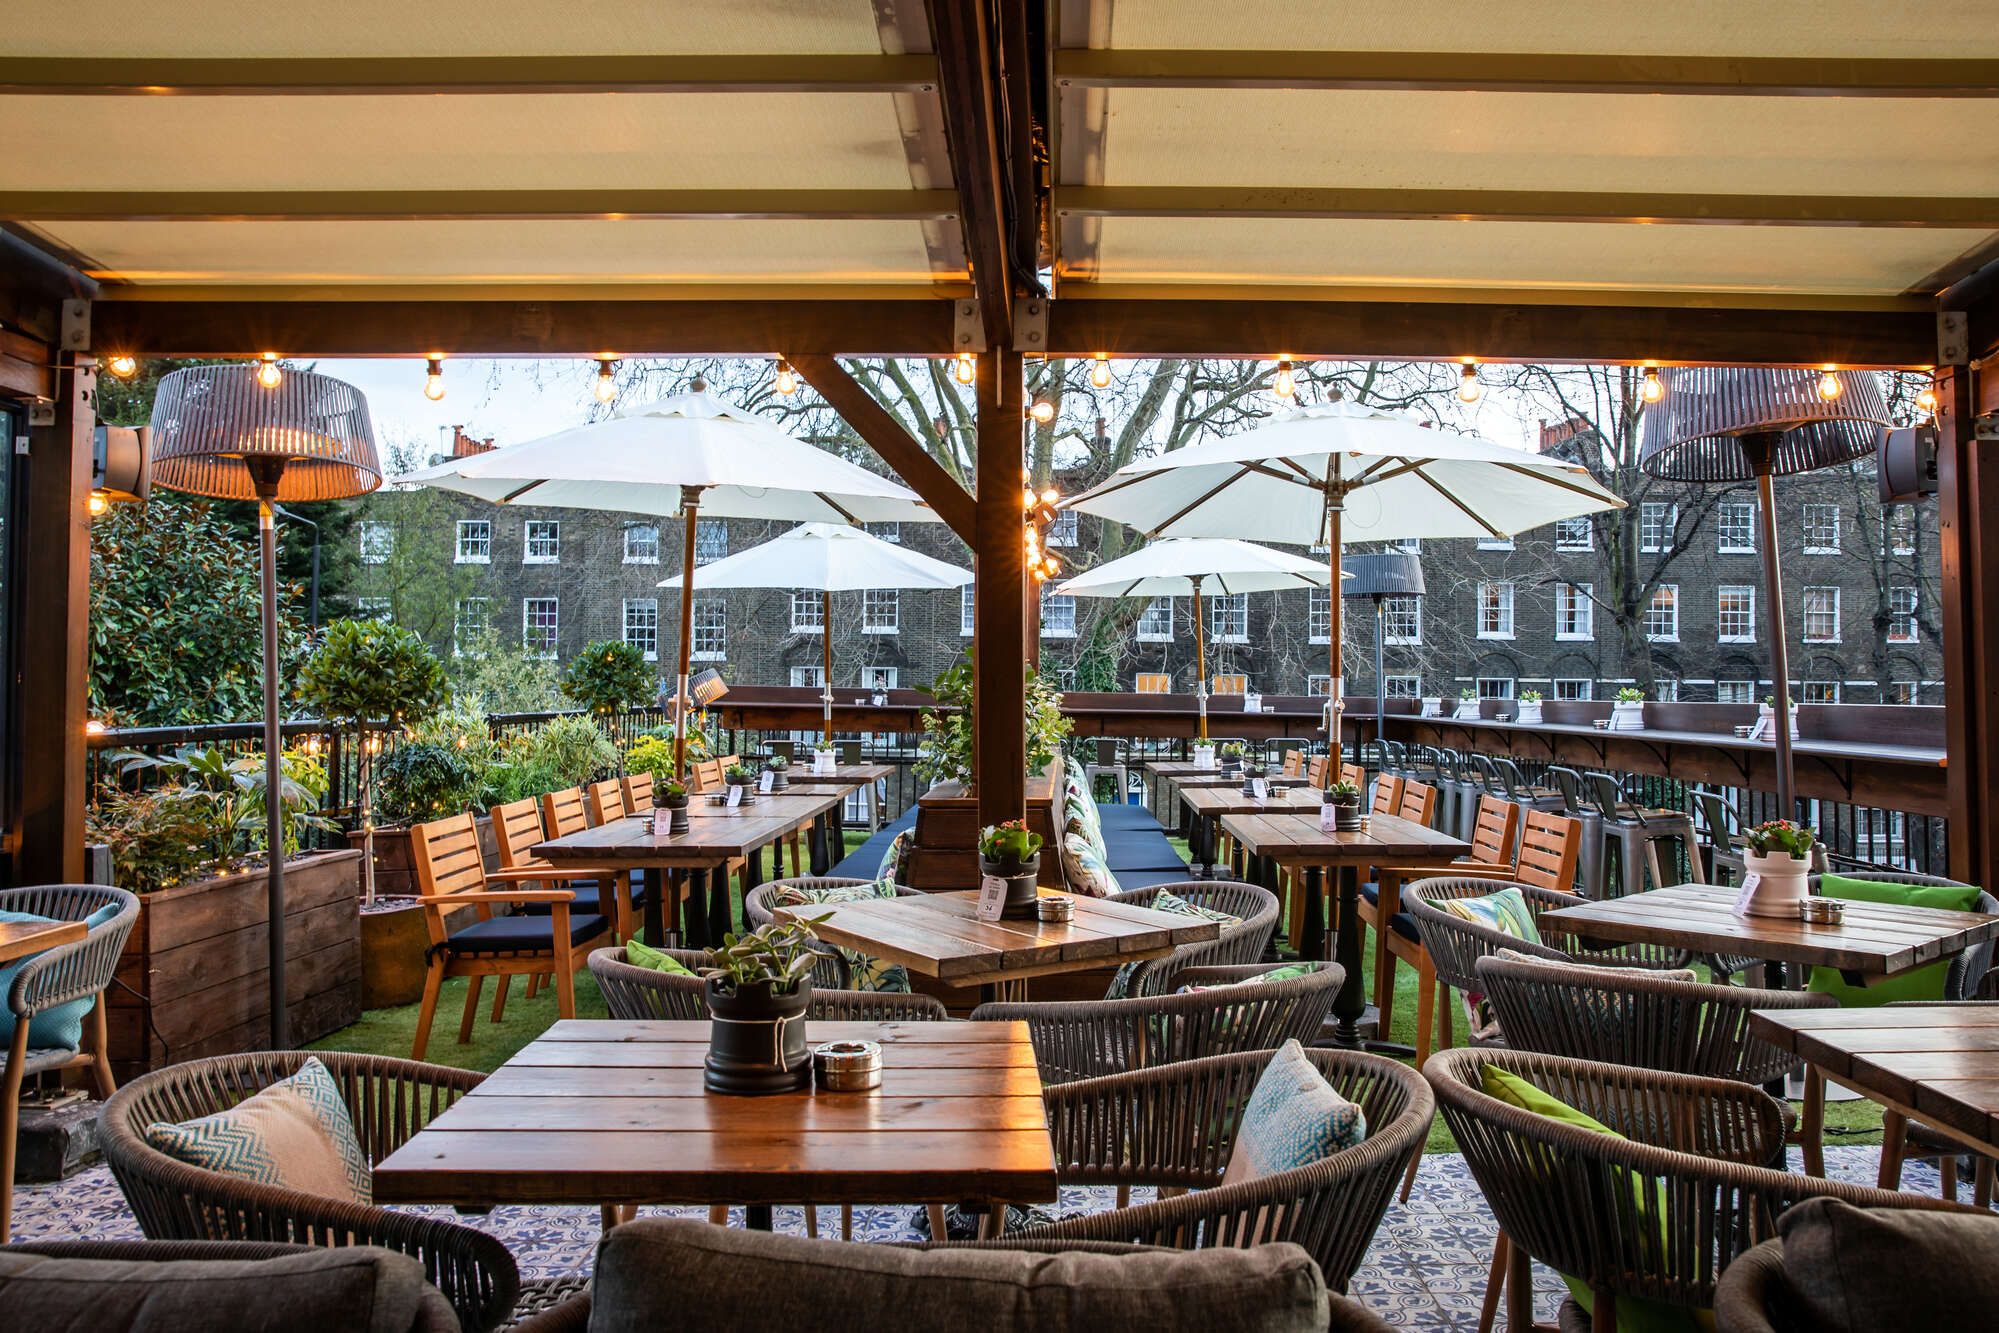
pixel 1953 338
pixel 1030 325
pixel 76 326
pixel 968 334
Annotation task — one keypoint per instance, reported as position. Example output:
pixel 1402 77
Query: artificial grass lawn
pixel 393 1031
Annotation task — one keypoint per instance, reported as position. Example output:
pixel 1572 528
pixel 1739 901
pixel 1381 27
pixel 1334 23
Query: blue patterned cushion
pixel 1294 1118
pixel 1505 911
pixel 59 1028
pixel 295 1134
pixel 1164 901
pixel 1275 974
pixel 890 869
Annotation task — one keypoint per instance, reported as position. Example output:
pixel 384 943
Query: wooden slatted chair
pixel 1355 774
pixel 516 829
pixel 450 875
pixel 1387 795
pixel 1316 770
pixel 605 800
pixel 1294 764
pixel 705 775
pixel 638 793
pixel 564 812
pixel 1418 804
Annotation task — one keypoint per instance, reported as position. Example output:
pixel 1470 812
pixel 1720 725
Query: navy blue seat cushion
pixel 1371 891
pixel 1404 925
pixel 1132 849
pixel 521 934
pixel 1126 817
pixel 1145 879
pixel 865 861
pixel 586 896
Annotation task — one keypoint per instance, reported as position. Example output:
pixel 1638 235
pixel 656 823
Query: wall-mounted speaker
pixel 1906 464
pixel 122 463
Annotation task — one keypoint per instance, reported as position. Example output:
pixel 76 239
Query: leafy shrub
pixel 650 754
pixel 610 676
pixel 575 749
pixel 422 781
pixel 207 815
pixel 945 751
pixel 370 671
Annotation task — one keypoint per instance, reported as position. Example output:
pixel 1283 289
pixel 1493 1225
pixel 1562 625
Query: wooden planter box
pixel 196 964
pixel 945 851
pixel 395 867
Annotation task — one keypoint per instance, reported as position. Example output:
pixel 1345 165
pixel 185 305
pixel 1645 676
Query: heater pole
pixel 274 769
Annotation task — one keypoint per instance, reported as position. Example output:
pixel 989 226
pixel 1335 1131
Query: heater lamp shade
pixel 218 432
pixel 1696 433
pixel 1383 574
pixel 707 687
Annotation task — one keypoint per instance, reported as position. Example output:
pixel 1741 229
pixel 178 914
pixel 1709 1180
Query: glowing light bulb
pixel 1286 383
pixel 269 373
pixel 1100 373
pixel 94 727
pixel 1043 411
pixel 787 379
pixel 1831 385
pixel 1652 388
pixel 97 504
pixel 1926 401
pixel 124 367
pixel 1050 496
pixel 968 368
pixel 433 379
pixel 607 385
pixel 1469 388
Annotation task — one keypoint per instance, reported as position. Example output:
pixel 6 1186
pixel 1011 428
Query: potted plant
pixel 759 986
pixel 1766 718
pixel 1627 710
pixel 1344 797
pixel 671 796
pixel 737 775
pixel 944 752
pixel 1012 853
pixel 1530 707
pixel 609 677
pixel 1776 857
pixel 1204 753
pixel 779 767
pixel 1468 708
pixel 1232 755
pixel 1433 706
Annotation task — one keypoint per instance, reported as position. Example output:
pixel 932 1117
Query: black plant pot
pixel 756 1040
pixel 1231 767
pixel 1020 877
pixel 676 815
pixel 749 791
pixel 778 780
pixel 1346 817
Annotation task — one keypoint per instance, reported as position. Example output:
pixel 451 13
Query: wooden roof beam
pixel 481 205
pixel 970 92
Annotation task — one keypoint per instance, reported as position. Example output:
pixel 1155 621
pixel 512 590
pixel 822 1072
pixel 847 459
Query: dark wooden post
pixel 55 629
pixel 999 706
pixel 1968 507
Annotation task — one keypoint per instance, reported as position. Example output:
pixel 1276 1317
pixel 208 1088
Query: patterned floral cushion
pixel 1294 1118
pixel 1086 868
pixel 1165 901
pixel 1080 814
pixel 868 974
pixel 295 1134
pixel 1275 974
pixel 890 869
pixel 1505 911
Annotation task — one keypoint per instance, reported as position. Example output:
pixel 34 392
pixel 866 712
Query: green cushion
pixel 644 955
pixel 1505 911
pixel 1918 983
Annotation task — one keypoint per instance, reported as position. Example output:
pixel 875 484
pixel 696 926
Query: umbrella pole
pixel 1380 683
pixel 1335 505
pixel 826 671
pixel 1200 660
pixel 1773 597
pixel 274 791
pixel 690 508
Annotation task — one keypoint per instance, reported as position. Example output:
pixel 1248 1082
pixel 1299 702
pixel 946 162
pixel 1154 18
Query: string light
pixel 787 379
pixel 1651 388
pixel 607 384
pixel 1100 372
pixel 97 503
pixel 1830 384
pixel 1043 411
pixel 124 367
pixel 1926 401
pixel 1469 388
pixel 1286 383
pixel 968 368
pixel 269 373
pixel 433 378
pixel 94 727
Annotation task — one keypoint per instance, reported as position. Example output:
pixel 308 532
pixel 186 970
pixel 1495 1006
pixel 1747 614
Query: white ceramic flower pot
pixel 1530 712
pixel 1433 707
pixel 1772 885
pixel 824 761
pixel 1628 717
pixel 1766 723
pixel 1468 711
pixel 1204 756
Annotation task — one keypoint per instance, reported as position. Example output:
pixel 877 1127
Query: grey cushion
pixel 359 1289
pixel 658 1273
pixel 1889 1268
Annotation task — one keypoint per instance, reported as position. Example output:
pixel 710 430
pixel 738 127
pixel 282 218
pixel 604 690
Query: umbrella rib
pixel 1402 468
pixel 834 505
pixel 1218 488
pixel 1551 480
pixel 1264 469
pixel 514 495
pixel 1466 509
pixel 1307 477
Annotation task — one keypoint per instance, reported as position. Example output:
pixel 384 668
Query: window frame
pixel 878 616
pixel 1671 592
pixel 552 539
pixel 1805 613
pixel 1566 544
pixel 377 539
pixel 1319 615
pixel 1583 605
pixel 630 604
pixel 814 603
pixel 1724 591
pixel 1899 617
pixel 632 529
pixel 1811 515
pixel 1504 609
pixel 1664 537
pixel 1582 695
pixel 461 632
pixel 1722 524
pixel 1154 634
pixel 485 542
pixel 1062 601
pixel 1237 612
pixel 528 604
pixel 1398 611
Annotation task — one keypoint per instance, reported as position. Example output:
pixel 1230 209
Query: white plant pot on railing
pixel 1627 716
pixel 1766 723
pixel 1772 885
pixel 1468 711
pixel 1433 707
pixel 824 761
pixel 1204 756
pixel 1530 712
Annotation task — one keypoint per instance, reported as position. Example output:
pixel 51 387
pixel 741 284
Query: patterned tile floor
pixel 1426 1270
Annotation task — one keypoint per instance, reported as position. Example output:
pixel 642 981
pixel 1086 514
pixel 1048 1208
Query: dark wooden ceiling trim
pixel 1495 332
pixel 453 205
pixel 1501 71
pixel 890 439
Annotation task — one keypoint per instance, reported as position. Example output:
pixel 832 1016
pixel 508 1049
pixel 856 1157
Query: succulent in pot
pixel 1627 695
pixel 778 766
pixel 1776 858
pixel 671 797
pixel 1012 852
pixel 738 776
pixel 1344 797
pixel 758 987
pixel 1232 753
pixel 1529 709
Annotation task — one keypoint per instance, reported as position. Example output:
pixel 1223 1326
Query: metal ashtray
pixel 716 797
pixel 1601 723
pixel 1822 911
pixel 1054 907
pixel 1742 731
pixel 848 1066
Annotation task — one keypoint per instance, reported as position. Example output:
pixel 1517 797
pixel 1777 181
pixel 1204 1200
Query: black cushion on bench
pixel 521 934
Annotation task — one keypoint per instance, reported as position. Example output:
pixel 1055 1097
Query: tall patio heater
pixel 1381 575
pixel 1737 423
pixel 256 432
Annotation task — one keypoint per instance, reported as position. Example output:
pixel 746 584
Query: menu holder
pixel 766 783
pixel 1259 788
pixel 735 795
pixel 992 898
pixel 1328 818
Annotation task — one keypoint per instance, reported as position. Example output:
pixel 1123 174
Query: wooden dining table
pixel 19 939
pixel 1937 1064
pixel 1286 840
pixel 940 935
pixel 615 1113
pixel 1206 805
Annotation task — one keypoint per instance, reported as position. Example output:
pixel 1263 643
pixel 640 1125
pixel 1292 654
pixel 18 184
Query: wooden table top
pixel 1936 1062
pixel 1874 939
pixel 1188 775
pixel 615 1112
pixel 18 939
pixel 716 835
pixel 940 935
pixel 1293 838
pixel 792 803
pixel 845 776
pixel 1210 802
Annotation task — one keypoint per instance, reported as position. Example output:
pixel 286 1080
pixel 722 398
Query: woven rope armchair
pixel 1455 945
pixel 831 972
pixel 1657 1214
pixel 390 1100
pixel 1175 1126
pixel 641 993
pixel 1254 907
pixel 55 977
pixel 1968 968
pixel 1081 1039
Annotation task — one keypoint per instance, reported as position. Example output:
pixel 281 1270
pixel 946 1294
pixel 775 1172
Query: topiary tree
pixel 368 673
pixel 610 676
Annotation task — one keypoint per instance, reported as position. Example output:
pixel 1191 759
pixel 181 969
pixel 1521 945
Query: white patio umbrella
pixel 691 452
pixel 829 558
pixel 1342 472
pixel 1179 566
